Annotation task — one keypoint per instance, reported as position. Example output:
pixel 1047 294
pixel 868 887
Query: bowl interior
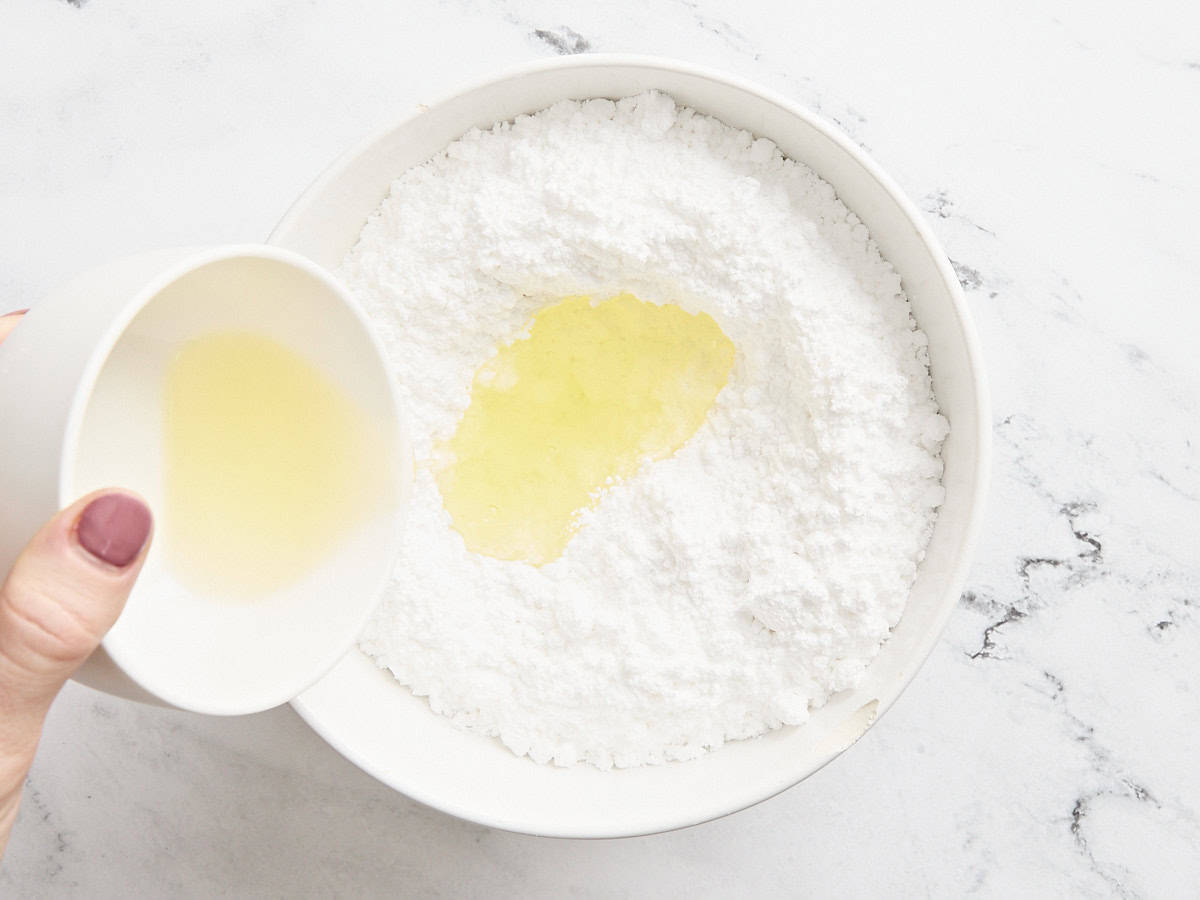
pixel 379 725
pixel 186 645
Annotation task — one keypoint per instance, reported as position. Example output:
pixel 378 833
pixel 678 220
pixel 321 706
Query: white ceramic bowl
pixel 81 399
pixel 383 728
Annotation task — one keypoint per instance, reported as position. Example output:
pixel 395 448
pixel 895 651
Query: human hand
pixel 64 592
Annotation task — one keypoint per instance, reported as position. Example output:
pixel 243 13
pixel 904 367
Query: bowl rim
pixel 956 576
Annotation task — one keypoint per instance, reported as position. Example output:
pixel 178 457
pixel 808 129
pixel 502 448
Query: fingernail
pixel 15 312
pixel 113 528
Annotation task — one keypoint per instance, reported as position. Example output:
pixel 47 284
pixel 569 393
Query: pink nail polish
pixel 15 312
pixel 113 528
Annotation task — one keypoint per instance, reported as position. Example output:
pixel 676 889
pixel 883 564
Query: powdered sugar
pixel 721 592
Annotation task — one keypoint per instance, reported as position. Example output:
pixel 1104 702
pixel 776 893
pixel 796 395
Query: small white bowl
pixel 81 399
pixel 383 728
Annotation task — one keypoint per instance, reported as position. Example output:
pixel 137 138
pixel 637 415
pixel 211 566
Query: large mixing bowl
pixel 379 725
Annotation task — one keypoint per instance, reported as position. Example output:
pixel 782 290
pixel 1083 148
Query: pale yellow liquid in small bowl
pixel 268 465
pixel 592 394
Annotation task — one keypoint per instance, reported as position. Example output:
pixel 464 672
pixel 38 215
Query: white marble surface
pixel 1049 746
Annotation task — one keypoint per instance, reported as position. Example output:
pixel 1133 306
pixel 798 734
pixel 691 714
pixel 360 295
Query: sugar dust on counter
pixel 268 465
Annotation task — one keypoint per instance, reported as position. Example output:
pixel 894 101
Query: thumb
pixel 61 597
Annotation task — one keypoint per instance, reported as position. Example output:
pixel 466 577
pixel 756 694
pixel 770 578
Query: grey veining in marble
pixel 1049 746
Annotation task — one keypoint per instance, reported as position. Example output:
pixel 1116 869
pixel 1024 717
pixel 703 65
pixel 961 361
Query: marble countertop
pixel 1048 747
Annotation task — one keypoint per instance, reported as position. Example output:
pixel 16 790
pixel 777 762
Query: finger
pixel 9 321
pixel 63 594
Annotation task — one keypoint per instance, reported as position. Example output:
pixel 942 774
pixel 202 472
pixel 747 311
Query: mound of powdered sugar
pixel 721 592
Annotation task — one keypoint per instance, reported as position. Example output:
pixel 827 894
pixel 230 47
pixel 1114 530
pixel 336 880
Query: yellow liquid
pixel 590 395
pixel 267 465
